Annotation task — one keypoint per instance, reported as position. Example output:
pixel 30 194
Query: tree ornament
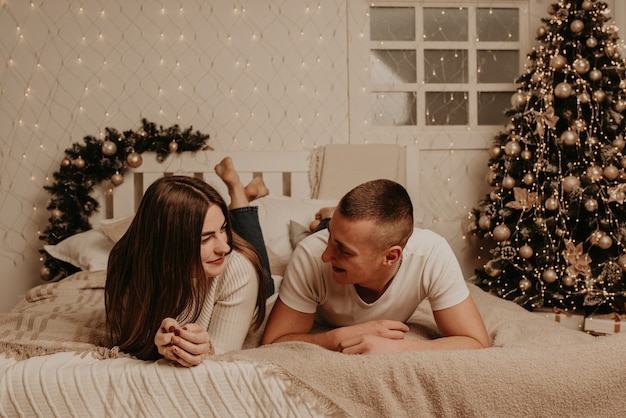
pixel 595 236
pixel 134 159
pixel 587 5
pixel 595 75
pixel 584 97
pixel 508 182
pixel 109 148
pixel 569 137
pixel 117 179
pixel 173 146
pixel 537 77
pixel 557 62
pixel 591 42
pixel 619 105
pixel 491 269
pixel 501 233
pixel 570 183
pixel 541 31
pixel 79 162
pixel 526 154
pixel 599 95
pixel 618 143
pixel 525 284
pixel 528 179
pixel 549 275
pixel 512 148
pixel 610 50
pixel 44 273
pixel 569 280
pixel 591 205
pixel 551 203
pixel 56 213
pixel 577 26
pixel 594 173
pixel 494 151
pixel 526 251
pixel 581 65
pixel 563 90
pixel 484 222
pixel 605 242
pixel 518 100
pixel 621 261
pixel 610 172
pixel 66 162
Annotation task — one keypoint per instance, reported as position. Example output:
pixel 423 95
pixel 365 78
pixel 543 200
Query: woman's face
pixel 214 241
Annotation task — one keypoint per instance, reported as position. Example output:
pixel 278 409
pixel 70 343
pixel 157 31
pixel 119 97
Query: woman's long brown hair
pixel 155 270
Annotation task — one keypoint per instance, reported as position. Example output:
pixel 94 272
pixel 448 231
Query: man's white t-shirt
pixel 429 269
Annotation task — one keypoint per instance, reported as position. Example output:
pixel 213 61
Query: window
pixel 441 66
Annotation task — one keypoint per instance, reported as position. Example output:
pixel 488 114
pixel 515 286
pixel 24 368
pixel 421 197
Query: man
pixel 365 275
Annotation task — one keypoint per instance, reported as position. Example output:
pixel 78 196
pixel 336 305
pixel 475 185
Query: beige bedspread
pixel 536 368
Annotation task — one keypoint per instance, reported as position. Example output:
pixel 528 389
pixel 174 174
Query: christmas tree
pixel 555 218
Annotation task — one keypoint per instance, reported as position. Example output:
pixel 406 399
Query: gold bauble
pixel 595 236
pixel 605 242
pixel 541 31
pixel 484 222
pixel 563 90
pixel 581 65
pixel 512 148
pixel 501 232
pixel 117 179
pixel 557 62
pixel 584 97
pixel 491 269
pixel 109 148
pixel 518 100
pixel 526 251
pixel 173 146
pixel 618 143
pixel 569 183
pixel 610 172
pixel 587 5
pixel 549 275
pixel 551 203
pixel 577 26
pixel 619 105
pixel 591 205
pixel 44 273
pixel 591 42
pixel 621 261
pixel 494 151
pixel 79 162
pixel 528 179
pixel 526 154
pixel 599 95
pixel 622 162
pixel 569 138
pixel 536 77
pixel 134 159
pixel 594 173
pixel 65 162
pixel 569 280
pixel 595 74
pixel 525 284
pixel 508 182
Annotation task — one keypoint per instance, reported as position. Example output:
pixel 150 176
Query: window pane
pixel 392 23
pixel 497 66
pixel 392 66
pixel 491 107
pixel 394 108
pixel 445 66
pixel 497 25
pixel 447 108
pixel 445 24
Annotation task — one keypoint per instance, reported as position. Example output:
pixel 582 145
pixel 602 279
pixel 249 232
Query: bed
pixel 53 361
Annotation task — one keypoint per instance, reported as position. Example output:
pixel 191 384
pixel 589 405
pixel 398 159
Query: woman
pixel 181 283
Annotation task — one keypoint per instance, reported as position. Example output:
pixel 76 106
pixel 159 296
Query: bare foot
pixel 225 169
pixel 323 213
pixel 256 189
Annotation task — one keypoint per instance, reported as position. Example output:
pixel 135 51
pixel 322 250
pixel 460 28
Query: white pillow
pixel 89 250
pixel 115 228
pixel 275 215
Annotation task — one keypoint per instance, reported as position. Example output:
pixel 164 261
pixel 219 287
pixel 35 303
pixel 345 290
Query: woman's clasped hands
pixel 188 345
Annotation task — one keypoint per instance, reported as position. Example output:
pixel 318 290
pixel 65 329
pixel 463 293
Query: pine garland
pixel 97 160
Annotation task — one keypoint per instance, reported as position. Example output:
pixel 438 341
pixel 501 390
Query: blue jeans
pixel 245 222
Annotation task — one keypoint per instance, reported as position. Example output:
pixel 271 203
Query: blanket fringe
pixel 21 352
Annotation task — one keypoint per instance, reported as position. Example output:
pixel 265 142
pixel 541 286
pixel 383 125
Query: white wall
pixel 255 75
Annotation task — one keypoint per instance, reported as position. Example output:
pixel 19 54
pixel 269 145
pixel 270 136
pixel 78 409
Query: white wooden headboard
pixel 286 173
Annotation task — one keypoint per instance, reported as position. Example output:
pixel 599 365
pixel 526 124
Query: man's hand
pixel 370 344
pixel 187 345
pixel 371 337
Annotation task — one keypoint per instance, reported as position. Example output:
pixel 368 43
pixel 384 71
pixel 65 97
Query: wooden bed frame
pixel 286 173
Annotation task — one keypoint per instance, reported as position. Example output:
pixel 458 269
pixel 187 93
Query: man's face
pixel 352 253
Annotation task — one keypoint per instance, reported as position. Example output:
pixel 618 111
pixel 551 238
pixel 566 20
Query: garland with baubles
pixel 100 160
